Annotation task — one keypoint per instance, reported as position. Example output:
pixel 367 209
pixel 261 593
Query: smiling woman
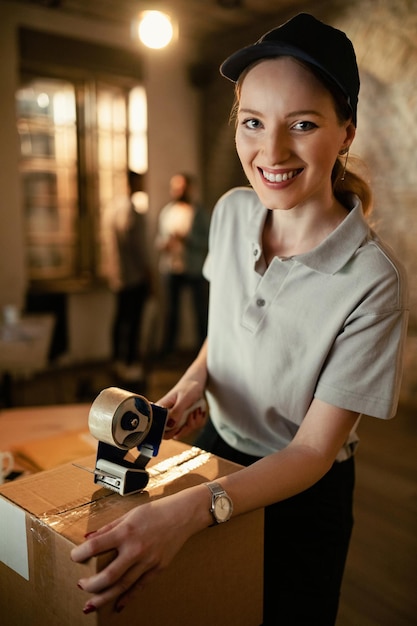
pixel 307 323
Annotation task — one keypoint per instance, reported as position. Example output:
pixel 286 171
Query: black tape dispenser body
pixel 121 421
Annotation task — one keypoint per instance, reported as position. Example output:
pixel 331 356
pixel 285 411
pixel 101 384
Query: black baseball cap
pixel 306 38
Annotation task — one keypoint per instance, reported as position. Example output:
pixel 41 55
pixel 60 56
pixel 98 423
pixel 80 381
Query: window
pixel 80 130
pixel 121 145
pixel 48 145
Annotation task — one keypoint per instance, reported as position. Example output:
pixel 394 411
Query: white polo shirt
pixel 330 324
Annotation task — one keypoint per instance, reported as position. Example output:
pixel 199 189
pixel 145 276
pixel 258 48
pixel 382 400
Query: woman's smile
pixel 281 176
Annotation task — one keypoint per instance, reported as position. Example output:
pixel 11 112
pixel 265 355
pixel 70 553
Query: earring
pixel 345 151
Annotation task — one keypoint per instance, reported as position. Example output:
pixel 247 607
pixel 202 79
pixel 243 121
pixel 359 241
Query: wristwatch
pixel 221 504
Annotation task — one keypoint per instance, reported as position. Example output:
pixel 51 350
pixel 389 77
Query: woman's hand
pixel 145 541
pixel 180 399
pixel 183 420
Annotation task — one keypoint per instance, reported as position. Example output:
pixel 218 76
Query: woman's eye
pixel 251 123
pixel 304 126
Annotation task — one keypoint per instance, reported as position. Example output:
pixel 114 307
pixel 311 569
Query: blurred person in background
pixel 182 242
pixel 129 278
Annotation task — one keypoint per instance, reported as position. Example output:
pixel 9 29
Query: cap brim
pixel 234 65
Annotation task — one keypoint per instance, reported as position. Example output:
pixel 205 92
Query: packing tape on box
pixel 91 506
pixel 120 418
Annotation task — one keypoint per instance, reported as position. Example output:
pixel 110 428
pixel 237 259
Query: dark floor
pixel 381 576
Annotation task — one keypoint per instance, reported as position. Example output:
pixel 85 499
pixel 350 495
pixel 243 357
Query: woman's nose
pixel 277 147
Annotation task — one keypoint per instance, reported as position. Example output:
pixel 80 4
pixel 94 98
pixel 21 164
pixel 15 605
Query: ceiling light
pixel 155 29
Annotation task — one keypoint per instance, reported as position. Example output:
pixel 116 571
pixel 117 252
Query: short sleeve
pixel 364 368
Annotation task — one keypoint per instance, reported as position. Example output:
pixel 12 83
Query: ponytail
pixel 347 181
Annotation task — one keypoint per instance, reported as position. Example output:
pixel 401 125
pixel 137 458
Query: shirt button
pixel 260 302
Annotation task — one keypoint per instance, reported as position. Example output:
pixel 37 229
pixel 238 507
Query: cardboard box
pixel 215 579
pixel 49 452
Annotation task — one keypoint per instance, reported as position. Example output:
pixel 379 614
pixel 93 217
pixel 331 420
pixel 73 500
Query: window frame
pixel 87 66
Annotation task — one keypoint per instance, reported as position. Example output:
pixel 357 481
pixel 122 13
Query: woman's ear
pixel 350 136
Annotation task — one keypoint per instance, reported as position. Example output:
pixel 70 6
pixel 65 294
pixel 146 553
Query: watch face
pixel 222 508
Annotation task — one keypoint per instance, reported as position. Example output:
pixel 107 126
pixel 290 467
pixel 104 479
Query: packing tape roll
pixel 120 418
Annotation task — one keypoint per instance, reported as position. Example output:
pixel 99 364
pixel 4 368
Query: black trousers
pixel 175 285
pixel 305 545
pixel 130 304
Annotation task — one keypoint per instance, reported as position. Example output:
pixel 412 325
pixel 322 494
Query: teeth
pixel 279 178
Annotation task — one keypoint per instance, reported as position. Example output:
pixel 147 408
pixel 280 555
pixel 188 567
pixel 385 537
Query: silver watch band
pixel 215 488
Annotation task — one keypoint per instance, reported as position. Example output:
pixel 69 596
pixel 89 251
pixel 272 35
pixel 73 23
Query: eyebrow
pixel 298 113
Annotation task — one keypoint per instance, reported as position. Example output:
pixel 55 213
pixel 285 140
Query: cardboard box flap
pixel 51 489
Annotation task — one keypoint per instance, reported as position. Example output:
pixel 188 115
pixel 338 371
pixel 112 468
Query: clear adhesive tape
pixel 120 418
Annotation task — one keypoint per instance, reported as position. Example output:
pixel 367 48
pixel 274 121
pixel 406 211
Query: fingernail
pixel 89 608
pixel 80 586
pixel 87 535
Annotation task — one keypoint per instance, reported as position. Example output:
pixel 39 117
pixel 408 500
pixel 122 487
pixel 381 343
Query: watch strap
pixel 216 489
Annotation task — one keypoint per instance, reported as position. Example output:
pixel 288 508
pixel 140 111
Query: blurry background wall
pixel 173 130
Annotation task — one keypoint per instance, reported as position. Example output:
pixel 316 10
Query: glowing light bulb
pixel 155 29
pixel 43 100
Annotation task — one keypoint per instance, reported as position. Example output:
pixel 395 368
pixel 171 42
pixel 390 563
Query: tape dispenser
pixel 121 421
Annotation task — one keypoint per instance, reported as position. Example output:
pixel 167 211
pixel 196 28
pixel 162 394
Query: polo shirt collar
pixel 335 251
